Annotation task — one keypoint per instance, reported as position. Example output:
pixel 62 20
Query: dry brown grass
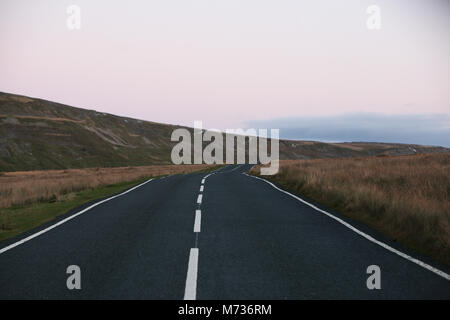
pixel 405 197
pixel 19 188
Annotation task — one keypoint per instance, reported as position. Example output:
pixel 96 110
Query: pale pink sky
pixel 230 61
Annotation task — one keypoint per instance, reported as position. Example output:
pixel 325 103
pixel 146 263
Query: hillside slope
pixel 36 134
pixel 39 134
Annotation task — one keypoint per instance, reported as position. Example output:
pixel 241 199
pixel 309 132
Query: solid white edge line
pixel 199 199
pixel 198 220
pixel 201 188
pixel 34 235
pixel 190 291
pixel 381 244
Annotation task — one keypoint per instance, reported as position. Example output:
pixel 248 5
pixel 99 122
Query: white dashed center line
pixel 190 291
pixel 198 220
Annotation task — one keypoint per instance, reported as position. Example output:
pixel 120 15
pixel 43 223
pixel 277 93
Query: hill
pixel 36 134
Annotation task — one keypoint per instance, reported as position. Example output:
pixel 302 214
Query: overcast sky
pixel 236 63
pixel 428 129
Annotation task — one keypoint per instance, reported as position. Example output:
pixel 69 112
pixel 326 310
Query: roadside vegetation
pixel 30 198
pixel 403 197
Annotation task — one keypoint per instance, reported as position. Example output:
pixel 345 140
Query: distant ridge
pixel 37 134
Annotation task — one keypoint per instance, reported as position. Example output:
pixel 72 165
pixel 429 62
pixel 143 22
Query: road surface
pixel 226 236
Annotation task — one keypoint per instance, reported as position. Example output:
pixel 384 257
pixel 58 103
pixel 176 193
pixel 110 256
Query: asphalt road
pixel 251 241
